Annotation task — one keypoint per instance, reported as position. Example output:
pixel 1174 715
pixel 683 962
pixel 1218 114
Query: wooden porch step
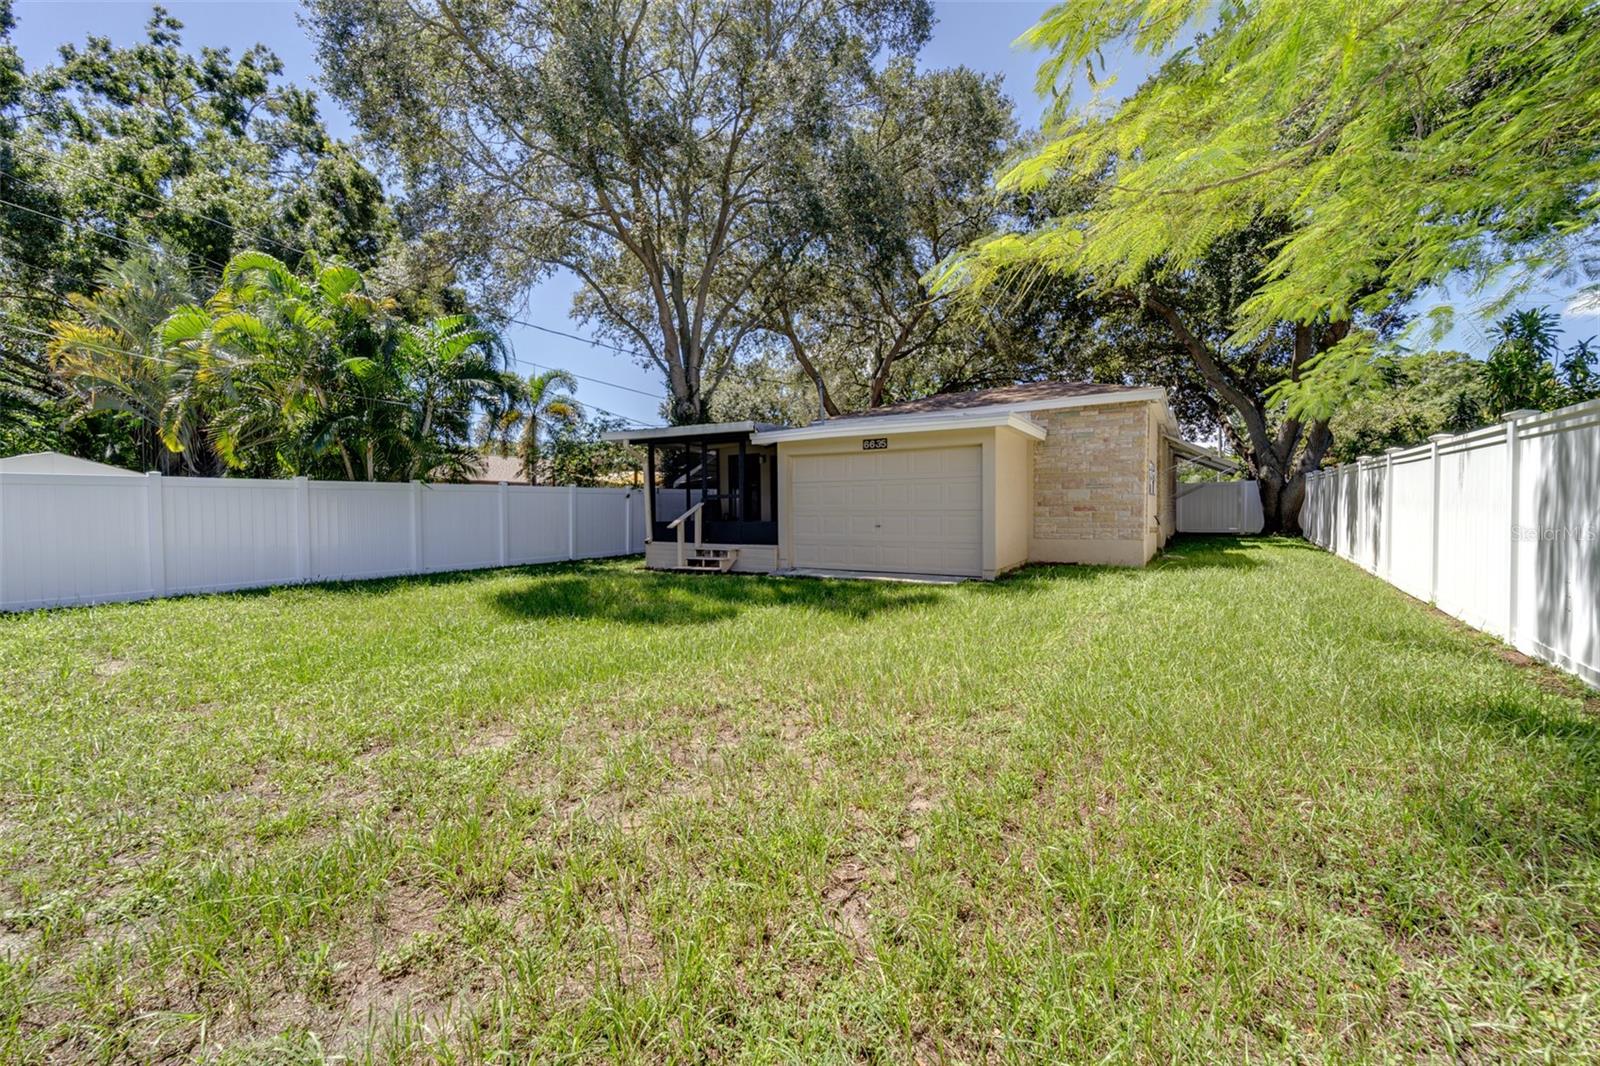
pixel 711 560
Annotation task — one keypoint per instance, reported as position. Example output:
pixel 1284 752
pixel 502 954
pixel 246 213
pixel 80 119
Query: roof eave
pixel 906 423
pixel 713 429
pixel 1202 456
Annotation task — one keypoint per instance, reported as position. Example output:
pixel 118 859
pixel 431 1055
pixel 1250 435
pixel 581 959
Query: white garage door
pixel 908 512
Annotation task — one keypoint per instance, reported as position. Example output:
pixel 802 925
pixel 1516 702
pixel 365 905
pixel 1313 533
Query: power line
pixel 230 227
pixel 303 252
pixel 339 393
pixel 168 205
pixel 164 202
pixel 109 236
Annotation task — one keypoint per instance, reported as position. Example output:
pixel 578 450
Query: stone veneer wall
pixel 1089 485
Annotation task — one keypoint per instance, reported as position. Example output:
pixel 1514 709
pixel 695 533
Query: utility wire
pixel 166 204
pixel 303 252
pixel 511 354
pixel 57 160
pixel 339 393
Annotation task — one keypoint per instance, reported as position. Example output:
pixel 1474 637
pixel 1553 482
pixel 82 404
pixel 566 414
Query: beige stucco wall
pixel 1013 509
pixel 1091 502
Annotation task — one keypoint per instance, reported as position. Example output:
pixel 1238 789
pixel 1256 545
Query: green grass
pixel 1248 801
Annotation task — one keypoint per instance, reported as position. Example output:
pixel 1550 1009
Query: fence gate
pixel 1219 507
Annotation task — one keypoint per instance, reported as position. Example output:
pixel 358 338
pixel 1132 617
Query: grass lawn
pixel 1247 801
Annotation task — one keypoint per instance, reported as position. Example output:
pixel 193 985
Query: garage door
pixel 908 512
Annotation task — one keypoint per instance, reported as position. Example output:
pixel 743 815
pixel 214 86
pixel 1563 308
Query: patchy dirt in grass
pixel 1541 673
pixel 497 737
pixel 845 903
pixel 111 666
pixel 16 943
pixel 638 955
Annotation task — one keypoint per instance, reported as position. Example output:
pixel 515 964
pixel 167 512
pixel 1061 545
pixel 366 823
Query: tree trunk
pixel 530 451
pixel 1278 462
pixel 1280 503
pixel 809 368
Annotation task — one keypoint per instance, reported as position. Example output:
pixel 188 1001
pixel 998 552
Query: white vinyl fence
pixel 85 538
pixel 1499 527
pixel 1219 507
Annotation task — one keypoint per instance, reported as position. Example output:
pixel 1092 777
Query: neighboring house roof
pixel 1034 393
pixel 493 469
pixel 56 463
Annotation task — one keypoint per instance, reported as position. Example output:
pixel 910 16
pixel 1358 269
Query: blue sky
pixel 977 33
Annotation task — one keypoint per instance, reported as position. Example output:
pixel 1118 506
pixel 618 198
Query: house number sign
pixel 874 444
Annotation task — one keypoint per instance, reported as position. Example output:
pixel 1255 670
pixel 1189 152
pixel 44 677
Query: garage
pixel 917 511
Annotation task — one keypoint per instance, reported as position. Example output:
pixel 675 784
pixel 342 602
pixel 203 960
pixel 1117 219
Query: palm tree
pixel 1520 371
pixel 544 396
pixel 114 357
pixel 325 342
pixel 447 365
pixel 279 373
pixel 502 414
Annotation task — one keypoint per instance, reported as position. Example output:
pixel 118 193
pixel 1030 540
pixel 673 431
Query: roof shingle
pixel 1006 394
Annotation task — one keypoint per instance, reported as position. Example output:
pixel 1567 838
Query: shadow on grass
pixel 654 598
pixel 1190 551
pixel 1550 830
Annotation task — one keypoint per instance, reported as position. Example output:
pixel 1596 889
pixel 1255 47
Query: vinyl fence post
pixel 572 521
pixel 3 600
pixel 1388 515
pixel 627 522
pixel 1433 519
pixel 155 533
pixel 505 523
pixel 416 527
pixel 1514 538
pixel 302 529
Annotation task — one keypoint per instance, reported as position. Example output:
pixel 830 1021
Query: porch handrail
pixel 699 526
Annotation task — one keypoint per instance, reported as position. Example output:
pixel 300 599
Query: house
pixel 968 484
pixel 493 469
pixel 57 463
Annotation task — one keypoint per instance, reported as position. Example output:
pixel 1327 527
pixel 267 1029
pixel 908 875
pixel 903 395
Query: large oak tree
pixel 901 181
pixel 634 143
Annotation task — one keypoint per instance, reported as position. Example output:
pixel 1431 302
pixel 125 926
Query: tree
pixel 766 387
pixel 1526 369
pixel 543 404
pixel 578 454
pixel 899 184
pixel 184 157
pixel 631 142
pixel 278 373
pixel 444 367
pixel 1378 147
pixel 1172 325
pixel 1520 371
pixel 1408 141
pixel 112 358
pixel 1578 372
pixel 1412 398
